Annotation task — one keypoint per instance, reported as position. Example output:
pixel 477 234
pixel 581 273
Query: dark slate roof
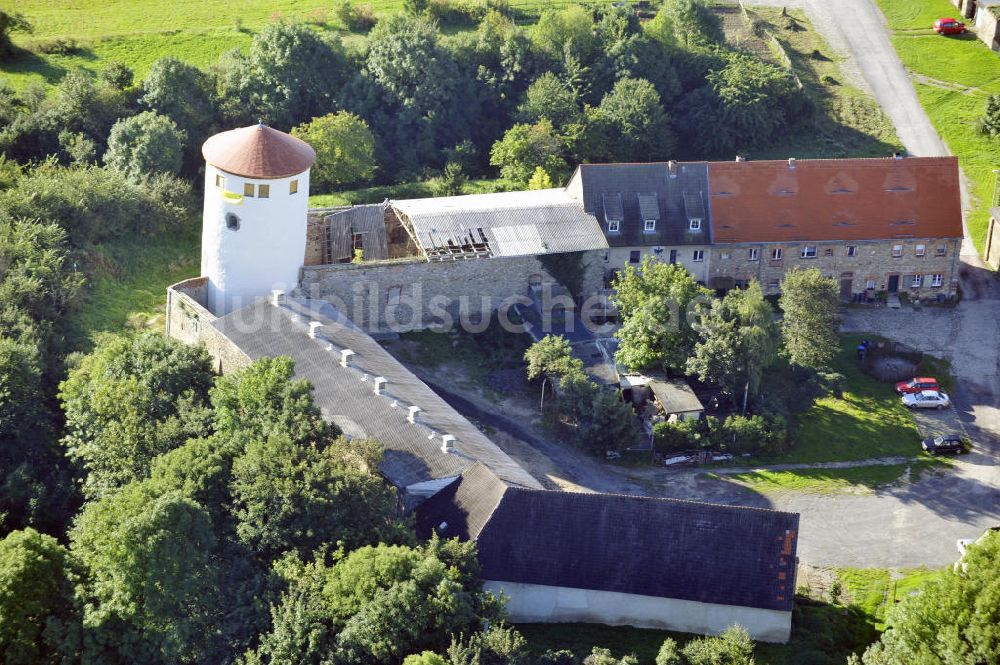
pixel 653 547
pixel 345 394
pixel 628 190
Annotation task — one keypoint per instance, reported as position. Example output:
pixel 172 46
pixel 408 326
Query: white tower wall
pixel 267 249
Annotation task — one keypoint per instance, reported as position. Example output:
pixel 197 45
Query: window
pixel 650 226
pixel 699 255
pixel 773 284
pixel 614 226
pixel 776 254
pixel 754 254
pixel 247 189
pixel 828 251
pixel 725 256
pixel 293 187
pixel 897 251
pixel 937 280
pixel 358 245
pixel 852 250
pixel 941 250
pixel 263 191
pixel 809 251
pixel 741 283
pixel 917 281
pixel 607 256
pixel 392 296
pixel 921 250
pixel 870 284
pixel 695 224
pixel 220 181
pixel 633 256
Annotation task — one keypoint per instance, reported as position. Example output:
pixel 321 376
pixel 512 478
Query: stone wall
pixel 412 294
pixel 986 26
pixel 189 321
pixel 873 260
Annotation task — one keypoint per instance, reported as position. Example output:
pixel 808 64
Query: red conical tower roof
pixel 258 152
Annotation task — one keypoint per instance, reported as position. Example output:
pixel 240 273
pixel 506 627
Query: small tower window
pixel 220 181
pixel 293 187
pixel 263 191
pixel 248 189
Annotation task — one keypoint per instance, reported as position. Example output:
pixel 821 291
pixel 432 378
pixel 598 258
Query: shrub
pixel 356 18
pixel 58 46
pixel 674 436
pixel 755 434
pixel 456 12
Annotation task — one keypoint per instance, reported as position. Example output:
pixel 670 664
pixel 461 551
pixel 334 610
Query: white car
pixel 926 399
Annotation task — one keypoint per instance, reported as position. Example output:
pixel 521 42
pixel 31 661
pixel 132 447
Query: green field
pixel 952 76
pixel 854 480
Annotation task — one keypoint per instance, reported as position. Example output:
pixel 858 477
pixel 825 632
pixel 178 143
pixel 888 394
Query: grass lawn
pixel 875 590
pixel 855 480
pixel 952 76
pixel 407 190
pixel 849 122
pixel 127 284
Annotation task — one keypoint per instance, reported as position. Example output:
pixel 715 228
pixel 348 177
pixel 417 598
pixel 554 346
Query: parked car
pixel 942 445
pixel 948 26
pixel 926 399
pixel 916 385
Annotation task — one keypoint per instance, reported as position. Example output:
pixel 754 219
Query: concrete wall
pixel 413 294
pixel 190 321
pixel 873 260
pixel 992 252
pixel 535 603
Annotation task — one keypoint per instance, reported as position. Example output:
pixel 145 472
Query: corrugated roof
pixel 258 151
pixel 367 220
pixel 546 221
pixel 835 199
pixel 675 396
pixel 412 451
pixel 652 547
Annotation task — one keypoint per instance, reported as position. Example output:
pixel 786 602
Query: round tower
pixel 254 224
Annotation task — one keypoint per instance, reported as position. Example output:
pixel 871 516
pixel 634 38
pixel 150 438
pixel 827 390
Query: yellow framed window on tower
pixel 220 181
pixel 293 187
pixel 248 189
pixel 263 191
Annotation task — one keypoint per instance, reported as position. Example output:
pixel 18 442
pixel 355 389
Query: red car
pixel 948 26
pixel 916 385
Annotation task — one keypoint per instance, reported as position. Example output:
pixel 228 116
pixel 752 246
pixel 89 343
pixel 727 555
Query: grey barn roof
pixel 653 547
pixel 525 223
pixel 367 220
pixel 412 450
pixel 678 198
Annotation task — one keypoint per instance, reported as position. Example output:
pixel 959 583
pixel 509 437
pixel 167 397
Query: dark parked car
pixel 944 445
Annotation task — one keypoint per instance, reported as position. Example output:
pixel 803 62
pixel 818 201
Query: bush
pixel 755 434
pixel 58 46
pixel 356 18
pixel 674 436
pixel 456 12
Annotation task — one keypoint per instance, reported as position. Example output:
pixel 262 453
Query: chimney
pixel 414 410
pixel 791 163
pixel 380 382
pixel 277 297
pixel 345 357
pixel 672 168
pixel 447 444
pixel 314 328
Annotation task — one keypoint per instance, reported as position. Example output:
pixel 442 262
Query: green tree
pixel 657 303
pixel 425 658
pixel 524 148
pixel 690 22
pixel 639 123
pixel 569 28
pixel 550 99
pixel 117 75
pixel 451 182
pixel 500 645
pixel 738 341
pixel 734 646
pixel 809 327
pixel 344 146
pixel 955 617
pixel 989 123
pixel 36 599
pixel 609 424
pixel 152 588
pixel 540 179
pixel 601 656
pixel 288 496
pixel 668 654
pixel 130 400
pixel 145 144
pixel 186 95
pixel 11 22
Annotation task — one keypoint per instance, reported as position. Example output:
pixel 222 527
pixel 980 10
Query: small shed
pixel 674 397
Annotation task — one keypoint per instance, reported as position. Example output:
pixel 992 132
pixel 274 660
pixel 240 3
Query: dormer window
pixel 650 226
pixel 614 226
pixel 695 224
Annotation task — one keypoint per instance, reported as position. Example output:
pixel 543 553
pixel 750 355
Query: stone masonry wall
pixel 189 321
pixel 873 260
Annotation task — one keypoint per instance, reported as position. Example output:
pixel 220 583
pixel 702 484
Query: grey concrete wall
pixel 535 603
pixel 189 321
pixel 873 260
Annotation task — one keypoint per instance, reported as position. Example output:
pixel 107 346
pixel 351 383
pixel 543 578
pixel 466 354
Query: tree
pixel 186 95
pixel 524 148
pixel 451 182
pixel 117 75
pixel 288 496
pixel 738 341
pixel 425 658
pixel 656 304
pixel 610 423
pixel 152 586
pixel 809 327
pixel 734 646
pixel 11 22
pixel 989 123
pixel 552 358
pixel 551 99
pixel 499 645
pixel 130 400
pixel 570 28
pixel 145 144
pixel 690 21
pixel 36 599
pixel 601 656
pixel 640 125
pixel 953 618
pixel 540 179
pixel 344 148
pixel 668 654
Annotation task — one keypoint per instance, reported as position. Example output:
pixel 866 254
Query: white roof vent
pixel 447 444
pixel 791 163
pixel 380 382
pixel 314 328
pixel 442 526
pixel 414 410
pixel 277 297
pixel 345 357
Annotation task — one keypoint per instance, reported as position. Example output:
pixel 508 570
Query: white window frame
pixel 725 256
pixel 921 250
pixel 650 225
pixel 695 224
pixel 809 251
pixel 614 226
pixel 698 256
pixel 897 251
pixel 870 284
pixel 937 280
pixel 776 254
pixel 942 250
pixel 754 254
pixel 917 282
pixel 852 250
